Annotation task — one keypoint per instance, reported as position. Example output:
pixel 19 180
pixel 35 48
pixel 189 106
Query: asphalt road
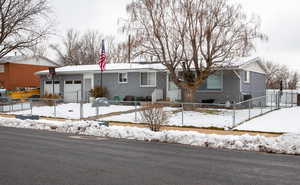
pixel 30 157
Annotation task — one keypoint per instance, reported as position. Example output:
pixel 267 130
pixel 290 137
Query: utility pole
pixel 129 48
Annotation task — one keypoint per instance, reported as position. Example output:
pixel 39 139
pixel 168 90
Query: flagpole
pixel 101 78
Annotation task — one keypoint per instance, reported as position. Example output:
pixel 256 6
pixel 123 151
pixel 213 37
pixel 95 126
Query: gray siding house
pixel 234 83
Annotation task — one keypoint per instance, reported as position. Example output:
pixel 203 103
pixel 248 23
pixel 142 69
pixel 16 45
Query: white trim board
pixel 253 67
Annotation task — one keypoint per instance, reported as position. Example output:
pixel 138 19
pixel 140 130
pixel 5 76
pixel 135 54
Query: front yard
pixel 199 117
pixel 281 121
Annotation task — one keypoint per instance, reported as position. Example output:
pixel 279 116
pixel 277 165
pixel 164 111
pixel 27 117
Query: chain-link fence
pixel 206 115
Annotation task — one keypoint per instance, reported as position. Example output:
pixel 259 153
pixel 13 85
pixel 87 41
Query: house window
pixel 246 76
pixel 123 77
pixel 77 82
pixel 2 69
pixel 214 82
pixel 148 79
pixel 51 82
pixel 69 82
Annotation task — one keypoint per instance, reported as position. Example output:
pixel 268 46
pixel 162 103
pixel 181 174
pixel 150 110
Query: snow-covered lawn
pixel 286 144
pixel 72 110
pixel 283 120
pixel 219 118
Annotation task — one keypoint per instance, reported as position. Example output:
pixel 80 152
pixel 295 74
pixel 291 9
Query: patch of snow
pixel 285 144
pixel 283 120
pixel 72 110
pixel 221 119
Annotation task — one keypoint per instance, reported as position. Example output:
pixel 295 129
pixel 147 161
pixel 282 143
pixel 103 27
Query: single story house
pixel 235 83
pixel 19 71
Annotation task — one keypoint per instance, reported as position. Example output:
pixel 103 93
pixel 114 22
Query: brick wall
pixel 20 75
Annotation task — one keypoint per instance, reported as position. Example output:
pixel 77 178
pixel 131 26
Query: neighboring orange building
pixel 19 71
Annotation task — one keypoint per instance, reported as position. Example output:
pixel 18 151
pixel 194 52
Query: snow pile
pixel 285 144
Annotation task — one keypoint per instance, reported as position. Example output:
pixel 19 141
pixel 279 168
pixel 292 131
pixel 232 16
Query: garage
pixel 72 90
pixel 48 87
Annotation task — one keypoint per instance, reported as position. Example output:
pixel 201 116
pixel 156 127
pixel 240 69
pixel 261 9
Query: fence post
pixel 261 107
pixel 81 110
pixel 182 110
pixel 97 110
pixel 54 108
pixel 77 96
pixel 31 108
pixel 249 109
pixel 292 102
pixel 233 116
pixel 135 111
pixel 271 102
pixel 286 99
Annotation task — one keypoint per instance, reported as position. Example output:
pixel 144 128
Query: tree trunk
pixel 189 97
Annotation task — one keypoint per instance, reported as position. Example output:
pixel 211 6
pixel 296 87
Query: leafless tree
pixel 126 51
pixel 69 55
pixel 90 44
pixel 277 73
pixel 79 49
pixel 271 73
pixel 24 23
pixel 292 84
pixel 197 37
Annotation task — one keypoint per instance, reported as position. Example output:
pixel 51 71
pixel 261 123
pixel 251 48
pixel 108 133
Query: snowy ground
pixel 283 120
pixel 285 144
pixel 72 110
pixel 220 119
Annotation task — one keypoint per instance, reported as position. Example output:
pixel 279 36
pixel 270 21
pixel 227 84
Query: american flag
pixel 102 59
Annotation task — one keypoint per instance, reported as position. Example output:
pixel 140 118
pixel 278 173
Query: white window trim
pixel 126 78
pixel 155 79
pixel 248 77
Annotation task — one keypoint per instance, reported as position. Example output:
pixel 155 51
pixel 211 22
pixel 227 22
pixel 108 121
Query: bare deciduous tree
pixel 70 53
pixel 293 81
pixel 197 37
pixel 24 23
pixel 276 73
pixel 83 49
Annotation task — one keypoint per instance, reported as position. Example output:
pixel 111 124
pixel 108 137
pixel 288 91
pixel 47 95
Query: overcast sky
pixel 279 20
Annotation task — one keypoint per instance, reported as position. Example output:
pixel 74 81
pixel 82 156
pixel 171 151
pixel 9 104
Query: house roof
pixel 39 60
pixel 126 67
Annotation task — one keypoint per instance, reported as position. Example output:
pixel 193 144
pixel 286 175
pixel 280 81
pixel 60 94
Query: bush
pixel 154 116
pixel 98 91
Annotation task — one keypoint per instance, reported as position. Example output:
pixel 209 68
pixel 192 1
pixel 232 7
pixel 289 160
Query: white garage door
pixel 72 91
pixel 48 87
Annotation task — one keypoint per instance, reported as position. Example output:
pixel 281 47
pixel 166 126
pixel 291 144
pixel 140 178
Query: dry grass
pixel 201 110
